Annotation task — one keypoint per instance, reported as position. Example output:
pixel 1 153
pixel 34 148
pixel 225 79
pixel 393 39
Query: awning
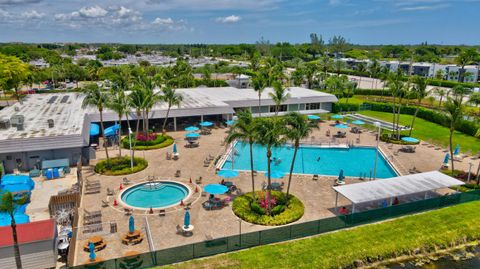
pixel 112 130
pixel 396 186
pixel 47 164
pixel 94 129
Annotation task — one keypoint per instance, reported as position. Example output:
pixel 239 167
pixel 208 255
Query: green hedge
pixel 247 209
pixel 120 166
pixel 160 141
pixel 373 92
pixel 343 107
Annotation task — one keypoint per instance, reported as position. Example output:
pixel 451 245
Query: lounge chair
pixel 126 181
pixel 161 213
pixel 199 180
pixel 169 156
pixel 104 203
pixel 92 213
pixel 211 157
pixel 315 177
pixel 128 211
pixel 110 192
pixel 178 173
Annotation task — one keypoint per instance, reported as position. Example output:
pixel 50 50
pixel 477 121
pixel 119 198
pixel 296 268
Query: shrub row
pixel 120 166
pixel 250 211
pixel 160 141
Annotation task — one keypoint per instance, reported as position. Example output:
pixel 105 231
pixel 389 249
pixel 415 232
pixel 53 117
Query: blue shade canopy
pixel 341 126
pixel 112 130
pixel 230 122
pixel 215 189
pixel 457 150
pixel 131 224
pixel 358 122
pixel 447 158
pixel 175 148
pixel 191 129
pixel 313 117
pixel 410 139
pixel 192 135
pixel 186 219
pixel 17 188
pixel 17 183
pixel 20 218
pixel 275 174
pixel 226 173
pixel 92 254
pixel 94 129
pixel 336 116
pixel 206 123
pixel 341 177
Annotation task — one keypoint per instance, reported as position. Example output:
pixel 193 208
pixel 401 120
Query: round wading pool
pixel 158 194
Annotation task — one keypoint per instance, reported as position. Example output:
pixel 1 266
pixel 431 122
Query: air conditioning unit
pixel 17 119
pixel 4 124
pixel 50 123
pixel 20 127
pixel 16 108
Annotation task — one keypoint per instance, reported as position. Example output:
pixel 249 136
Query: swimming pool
pixel 158 194
pixel 355 161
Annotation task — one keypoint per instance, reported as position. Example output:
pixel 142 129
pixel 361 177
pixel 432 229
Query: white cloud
pixel 4 14
pixel 33 14
pixel 211 5
pixel 168 24
pixel 18 2
pixel 424 7
pixel 92 12
pixel 160 21
pixel 228 19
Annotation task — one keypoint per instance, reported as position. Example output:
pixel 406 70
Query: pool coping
pixel 224 158
pixel 125 205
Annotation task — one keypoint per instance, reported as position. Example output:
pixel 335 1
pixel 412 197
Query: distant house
pixel 37 240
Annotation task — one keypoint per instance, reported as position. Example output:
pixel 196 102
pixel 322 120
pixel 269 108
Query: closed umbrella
pixel 226 173
pixel 215 189
pixel 191 129
pixel 313 117
pixel 447 158
pixel 174 148
pixel 206 123
pixel 340 178
pixel 131 224
pixel 92 255
pixel 457 150
pixel 186 219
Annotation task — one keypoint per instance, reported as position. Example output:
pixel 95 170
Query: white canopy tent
pixel 383 189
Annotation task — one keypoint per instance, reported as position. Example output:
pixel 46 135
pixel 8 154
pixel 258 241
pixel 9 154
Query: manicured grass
pixel 396 237
pixel 120 166
pixel 352 100
pixel 161 141
pixel 431 132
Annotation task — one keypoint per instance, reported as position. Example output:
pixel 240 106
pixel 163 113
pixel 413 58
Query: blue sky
pixel 237 21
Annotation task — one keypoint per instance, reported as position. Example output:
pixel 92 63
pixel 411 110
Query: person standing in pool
pixel 318 159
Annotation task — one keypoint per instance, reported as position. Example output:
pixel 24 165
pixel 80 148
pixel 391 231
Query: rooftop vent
pixel 17 119
pixel 16 108
pixel 52 99
pixel 4 124
pixel 50 123
pixel 20 127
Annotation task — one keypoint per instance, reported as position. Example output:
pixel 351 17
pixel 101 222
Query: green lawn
pixel 339 249
pixel 352 100
pixel 431 132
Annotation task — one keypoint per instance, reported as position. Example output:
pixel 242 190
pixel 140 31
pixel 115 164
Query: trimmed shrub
pixel 160 141
pixel 343 107
pixel 120 166
pixel 250 211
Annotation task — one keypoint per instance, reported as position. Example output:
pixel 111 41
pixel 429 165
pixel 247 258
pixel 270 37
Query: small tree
pixel 172 99
pixel 420 91
pixel 279 95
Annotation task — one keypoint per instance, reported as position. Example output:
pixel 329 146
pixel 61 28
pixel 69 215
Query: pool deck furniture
pixel 161 213
pixel 315 177
pixel 110 192
pixel 198 180
pixel 126 181
pixel 105 203
pixel 127 211
pixel 188 230
pixel 97 241
pixel 178 173
pixel 132 238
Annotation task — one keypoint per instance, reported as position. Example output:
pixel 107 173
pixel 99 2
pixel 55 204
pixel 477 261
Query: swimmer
pixel 318 159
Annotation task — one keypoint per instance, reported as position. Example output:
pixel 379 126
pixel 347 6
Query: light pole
pixel 240 232
pixel 131 152
pixel 469 171
pixel 376 124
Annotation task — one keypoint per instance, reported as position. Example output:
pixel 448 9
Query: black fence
pixel 304 229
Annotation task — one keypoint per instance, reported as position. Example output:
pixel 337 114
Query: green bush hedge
pixel 343 107
pixel 250 211
pixel 120 166
pixel 160 141
pixel 373 92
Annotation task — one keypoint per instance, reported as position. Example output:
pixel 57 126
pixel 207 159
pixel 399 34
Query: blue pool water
pixel 355 162
pixel 155 195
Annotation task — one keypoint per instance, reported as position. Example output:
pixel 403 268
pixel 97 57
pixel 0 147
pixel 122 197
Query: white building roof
pixel 397 186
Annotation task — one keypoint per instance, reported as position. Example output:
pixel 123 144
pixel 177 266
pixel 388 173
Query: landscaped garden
pixel 255 210
pixel 425 232
pixel 120 166
pixel 142 141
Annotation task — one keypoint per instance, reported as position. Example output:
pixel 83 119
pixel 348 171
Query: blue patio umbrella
pixel 410 139
pixel 230 122
pixel 457 150
pixel 191 129
pixel 337 117
pixel 92 255
pixel 174 148
pixel 341 177
pixel 206 123
pixel 358 122
pixel 447 157
pixel 341 126
pixel 313 117
pixel 131 224
pixel 215 189
pixel 275 174
pixel 227 173
pixel 112 130
pixel 186 219
pixel 94 129
pixel 192 135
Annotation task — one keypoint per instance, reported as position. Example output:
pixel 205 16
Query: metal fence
pixel 294 231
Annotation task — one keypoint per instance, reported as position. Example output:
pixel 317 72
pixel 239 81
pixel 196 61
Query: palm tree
pixel 478 168
pixel 420 91
pixel 8 205
pixel 465 57
pixel 441 93
pixel 150 98
pixel 172 99
pixel 279 95
pixel 298 128
pixel 95 97
pixel 244 129
pixel 118 102
pixel 269 133
pixel 259 84
pixel 454 109
pixel 397 87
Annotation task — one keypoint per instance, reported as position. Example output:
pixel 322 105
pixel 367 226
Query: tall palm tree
pixel 172 99
pixel 150 98
pixel 119 104
pixel 259 84
pixel 269 133
pixel 95 97
pixel 298 127
pixel 420 91
pixel 244 129
pixel 279 95
pixel 454 109
pixel 397 87
pixel 441 93
pixel 8 205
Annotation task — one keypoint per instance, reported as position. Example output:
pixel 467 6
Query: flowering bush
pixel 146 137
pixel 263 201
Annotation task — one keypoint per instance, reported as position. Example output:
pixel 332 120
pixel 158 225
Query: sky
pixel 240 21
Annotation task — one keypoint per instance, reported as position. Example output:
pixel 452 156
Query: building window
pixel 293 107
pixel 282 108
pixel 312 106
